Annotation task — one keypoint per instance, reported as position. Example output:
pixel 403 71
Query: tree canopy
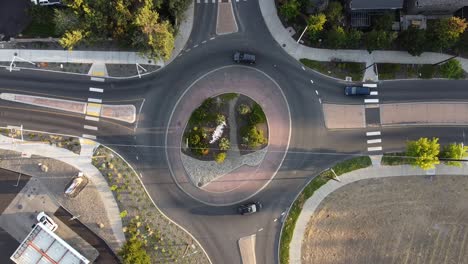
pixel 290 9
pixel 445 32
pixel 454 151
pixel 413 40
pixel 379 39
pixel 315 24
pixel 452 69
pixel 423 152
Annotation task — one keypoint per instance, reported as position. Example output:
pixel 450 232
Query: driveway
pixel 13 17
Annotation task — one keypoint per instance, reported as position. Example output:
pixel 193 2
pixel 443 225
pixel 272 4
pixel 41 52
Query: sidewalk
pixel 295 248
pixel 298 51
pixel 83 163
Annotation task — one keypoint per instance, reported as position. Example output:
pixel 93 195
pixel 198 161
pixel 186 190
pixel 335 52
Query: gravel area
pixel 57 177
pixel 126 70
pixel 204 172
pixel 412 219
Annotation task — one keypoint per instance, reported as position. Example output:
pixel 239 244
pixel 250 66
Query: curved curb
pixel 311 204
pixel 160 211
pixel 282 159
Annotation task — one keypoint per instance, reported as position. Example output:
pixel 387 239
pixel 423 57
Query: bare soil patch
pixel 391 220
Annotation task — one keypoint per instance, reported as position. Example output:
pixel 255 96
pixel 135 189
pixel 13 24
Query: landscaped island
pixel 227 122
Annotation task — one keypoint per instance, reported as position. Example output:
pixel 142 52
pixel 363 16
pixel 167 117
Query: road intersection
pixel 312 146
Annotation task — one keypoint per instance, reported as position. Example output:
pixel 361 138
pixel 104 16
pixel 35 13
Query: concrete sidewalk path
pixel 298 51
pixel 295 248
pixel 83 163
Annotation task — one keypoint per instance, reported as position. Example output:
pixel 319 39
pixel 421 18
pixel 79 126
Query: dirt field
pixel 391 220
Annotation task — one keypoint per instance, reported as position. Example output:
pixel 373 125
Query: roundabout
pixel 239 177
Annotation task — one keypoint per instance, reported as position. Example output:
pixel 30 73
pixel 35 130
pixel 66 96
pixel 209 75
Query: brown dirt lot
pixel 391 220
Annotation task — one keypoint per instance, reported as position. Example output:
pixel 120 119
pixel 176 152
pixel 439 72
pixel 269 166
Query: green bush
pixel 257 116
pixel 220 119
pixel 133 252
pixel 253 137
pixel 224 144
pixel 220 157
pixel 452 69
pixel 243 109
pixel 427 71
pixel 397 158
pixel 290 9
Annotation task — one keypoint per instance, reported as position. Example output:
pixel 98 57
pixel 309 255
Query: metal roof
pixel 375 4
pixel 43 246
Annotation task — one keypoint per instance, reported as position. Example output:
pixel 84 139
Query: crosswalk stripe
pixel 373 133
pixel 92 118
pixel 371 101
pixel 374 93
pixel 96 79
pixel 89 136
pixel 93 100
pixel 373 141
pixel 90 127
pixel 374 148
pixel 97 90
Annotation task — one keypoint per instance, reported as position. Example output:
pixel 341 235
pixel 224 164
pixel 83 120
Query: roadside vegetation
pixel 315 184
pixel 426 153
pixel 337 69
pixel 451 69
pixel 151 237
pixel 327 27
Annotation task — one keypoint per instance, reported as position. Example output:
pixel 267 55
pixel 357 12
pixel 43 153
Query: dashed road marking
pixel 303 68
pixel 374 93
pixel 136 157
pixel 374 141
pixel 90 127
pixel 203 42
pixel 97 79
pixel 94 100
pixel 312 81
pixel 320 100
pixel 260 230
pixel 187 50
pixel 276 219
pixel 92 118
pixel 89 136
pixel 212 38
pixel 97 90
pixel 316 92
pixel 371 101
pixel 374 148
pixel 195 46
pixel 373 133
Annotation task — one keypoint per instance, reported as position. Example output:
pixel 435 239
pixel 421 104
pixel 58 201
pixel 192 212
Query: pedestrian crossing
pixel 373 138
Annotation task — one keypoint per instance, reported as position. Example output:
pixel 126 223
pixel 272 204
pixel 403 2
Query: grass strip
pixel 295 210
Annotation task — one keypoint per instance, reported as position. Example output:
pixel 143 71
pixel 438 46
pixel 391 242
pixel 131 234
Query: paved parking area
pixel 13 16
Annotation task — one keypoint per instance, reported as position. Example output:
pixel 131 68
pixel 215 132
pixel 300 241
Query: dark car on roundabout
pixel 249 208
pixel 243 57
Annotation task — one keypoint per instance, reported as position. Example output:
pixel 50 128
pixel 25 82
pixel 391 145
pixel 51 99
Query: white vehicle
pixel 46 2
pixel 44 219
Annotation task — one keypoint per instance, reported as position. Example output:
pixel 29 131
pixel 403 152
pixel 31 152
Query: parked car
pixel 44 219
pixel 242 57
pixel 356 90
pixel 76 185
pixel 249 208
pixel 46 2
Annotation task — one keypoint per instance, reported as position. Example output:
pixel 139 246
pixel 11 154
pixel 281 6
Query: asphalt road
pixel 312 147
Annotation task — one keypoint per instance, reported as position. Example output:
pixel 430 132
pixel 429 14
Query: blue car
pixel 356 90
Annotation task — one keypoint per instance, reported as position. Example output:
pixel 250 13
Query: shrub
pixel 243 109
pixel 253 137
pixel 123 214
pixel 220 119
pixel 257 116
pixel 224 144
pixel 220 157
pixel 452 69
pixel 423 152
pixel 133 252
pixel 427 71
pixel 290 9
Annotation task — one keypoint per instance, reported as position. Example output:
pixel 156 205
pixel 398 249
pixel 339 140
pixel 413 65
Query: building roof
pixel 375 4
pixel 423 3
pixel 45 247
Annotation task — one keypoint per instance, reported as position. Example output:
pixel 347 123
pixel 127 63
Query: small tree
pixel 353 38
pixel 413 40
pixel 454 151
pixel 224 144
pixel 290 9
pixel 133 252
pixel 334 13
pixel 220 157
pixel 220 119
pixel 253 137
pixel 452 69
pixel 445 32
pixel 257 116
pixel 423 153
pixel 384 22
pixel 335 38
pixel 315 24
pixel 379 39
pixel 71 38
pixel 243 109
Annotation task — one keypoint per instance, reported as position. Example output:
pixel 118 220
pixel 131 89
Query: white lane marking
pixel 136 157
pixel 373 133
pixel 312 81
pixel 96 79
pixel 374 93
pixel 276 219
pixel 316 92
pixel 371 101
pixel 374 148
pixel 371 85
pixel 303 68
pixel 187 50
pixel 90 127
pixel 92 118
pixel 94 100
pixel 203 42
pixel 195 46
pixel 320 100
pixel 89 136
pixel 212 38
pixel 373 141
pixel 283 213
pixel 260 230
pixel 97 90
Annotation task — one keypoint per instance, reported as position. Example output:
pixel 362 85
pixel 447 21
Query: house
pixel 361 11
pixel 435 7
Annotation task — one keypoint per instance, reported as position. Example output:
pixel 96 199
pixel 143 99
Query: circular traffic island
pixel 232 129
